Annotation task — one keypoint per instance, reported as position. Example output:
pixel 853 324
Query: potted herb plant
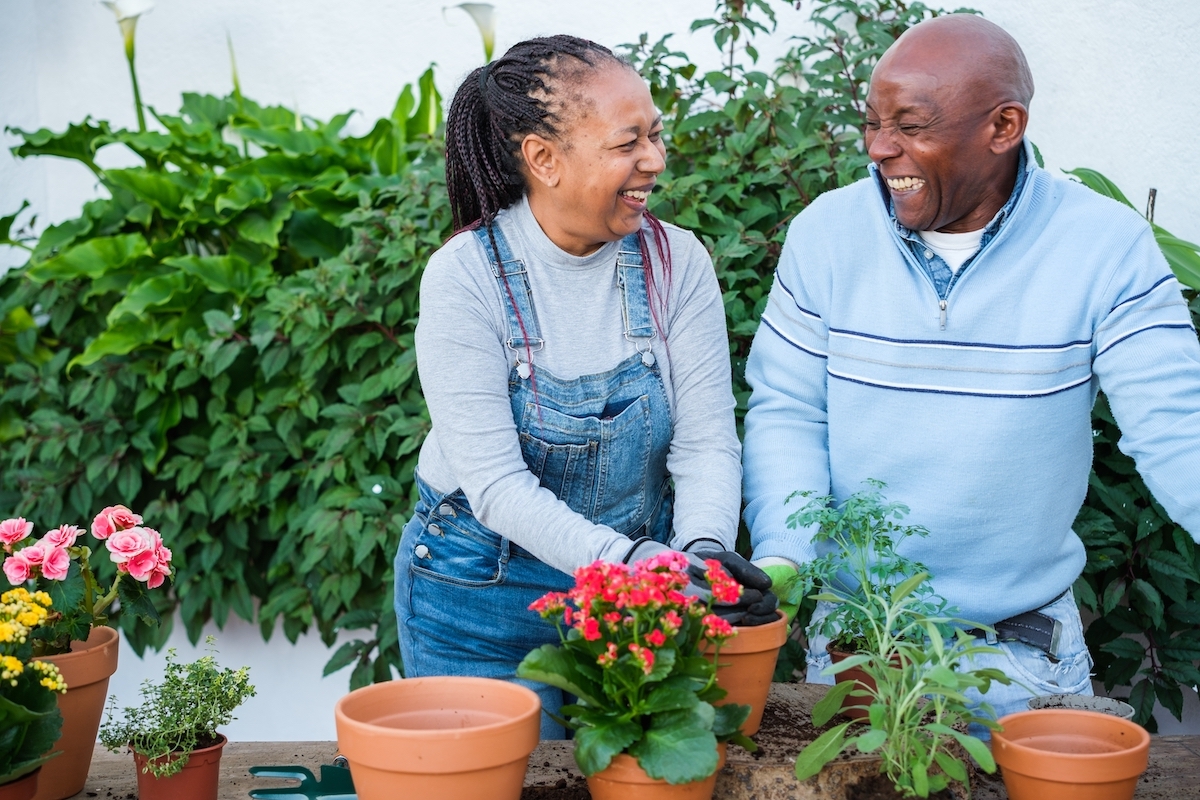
pixel 29 689
pixel 75 636
pixel 645 722
pixel 916 710
pixel 173 733
pixel 858 540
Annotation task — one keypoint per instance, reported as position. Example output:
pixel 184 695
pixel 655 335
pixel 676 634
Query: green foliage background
pixel 225 343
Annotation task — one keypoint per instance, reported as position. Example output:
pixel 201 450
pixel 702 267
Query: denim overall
pixel 599 442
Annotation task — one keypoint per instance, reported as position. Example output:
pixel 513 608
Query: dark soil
pixel 878 787
pixel 784 731
pixel 567 787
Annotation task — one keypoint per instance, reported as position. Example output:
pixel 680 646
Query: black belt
pixel 1031 627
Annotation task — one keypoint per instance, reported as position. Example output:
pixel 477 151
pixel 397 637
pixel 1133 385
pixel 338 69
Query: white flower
pixel 127 12
pixel 484 15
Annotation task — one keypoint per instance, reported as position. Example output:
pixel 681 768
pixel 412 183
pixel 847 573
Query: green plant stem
pixel 137 94
pixel 105 601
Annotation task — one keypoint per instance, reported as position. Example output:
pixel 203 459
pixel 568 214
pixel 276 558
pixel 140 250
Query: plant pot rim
pixel 752 639
pixel 415 685
pixel 222 740
pixel 1078 702
pixel 1104 767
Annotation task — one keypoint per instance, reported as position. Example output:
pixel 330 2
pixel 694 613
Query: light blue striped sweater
pixel 976 415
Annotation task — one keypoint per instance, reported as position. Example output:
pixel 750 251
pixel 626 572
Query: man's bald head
pixel 978 55
pixel 946 115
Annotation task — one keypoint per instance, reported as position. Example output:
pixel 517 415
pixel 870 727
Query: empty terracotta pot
pixel 623 779
pixel 198 780
pixel 746 666
pixel 86 670
pixel 1070 755
pixel 447 738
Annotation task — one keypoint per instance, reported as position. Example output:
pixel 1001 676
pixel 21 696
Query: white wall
pixel 1116 80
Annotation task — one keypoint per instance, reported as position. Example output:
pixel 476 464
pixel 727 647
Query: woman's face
pixel 590 186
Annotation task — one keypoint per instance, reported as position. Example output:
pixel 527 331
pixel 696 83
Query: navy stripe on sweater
pixel 961 392
pixel 965 345
pixel 791 341
pixel 1110 345
pixel 1157 284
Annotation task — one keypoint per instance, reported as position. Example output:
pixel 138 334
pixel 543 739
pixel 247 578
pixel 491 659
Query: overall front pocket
pixel 444 552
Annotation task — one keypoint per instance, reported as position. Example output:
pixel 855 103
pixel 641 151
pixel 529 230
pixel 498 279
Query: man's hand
pixel 757 604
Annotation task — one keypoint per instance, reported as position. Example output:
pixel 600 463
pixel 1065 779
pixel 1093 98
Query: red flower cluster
pixel 638 608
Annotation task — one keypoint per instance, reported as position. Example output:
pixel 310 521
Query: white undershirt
pixel 954 248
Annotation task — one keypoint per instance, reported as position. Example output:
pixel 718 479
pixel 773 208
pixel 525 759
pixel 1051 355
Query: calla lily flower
pixel 127 12
pixel 484 15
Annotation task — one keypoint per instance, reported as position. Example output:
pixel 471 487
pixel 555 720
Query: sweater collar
pixel 1026 164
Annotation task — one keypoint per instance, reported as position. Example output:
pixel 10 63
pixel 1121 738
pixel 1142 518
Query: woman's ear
pixel 542 160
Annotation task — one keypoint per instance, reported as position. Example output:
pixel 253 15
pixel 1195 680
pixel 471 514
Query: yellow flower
pixel 51 677
pixel 8 632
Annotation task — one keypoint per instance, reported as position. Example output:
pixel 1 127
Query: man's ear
pixel 1008 127
pixel 542 160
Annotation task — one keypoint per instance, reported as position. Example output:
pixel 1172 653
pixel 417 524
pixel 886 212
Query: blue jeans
pixel 1031 670
pixel 465 612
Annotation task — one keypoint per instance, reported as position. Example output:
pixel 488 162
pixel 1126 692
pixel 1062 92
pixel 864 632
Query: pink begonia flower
pixel 13 531
pixel 17 568
pixel 124 545
pixel 56 562
pixel 34 554
pixel 63 536
pixel 113 519
pixel 151 565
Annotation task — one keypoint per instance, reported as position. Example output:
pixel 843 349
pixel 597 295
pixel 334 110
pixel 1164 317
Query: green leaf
pixel 79 141
pixel 1098 183
pixel 549 664
pixel 92 259
pixel 950 765
pixel 347 654
pixel 821 751
pixel 122 338
pixel 428 117
pixel 67 593
pixel 163 190
pixel 978 750
pixel 679 746
pixel 225 274
pixel 135 599
pixel 678 694
pixel 312 237
pixel 596 746
pixel 729 718
pixel 831 703
pixel 6 224
pixel 1142 700
pixel 870 741
pixel 156 291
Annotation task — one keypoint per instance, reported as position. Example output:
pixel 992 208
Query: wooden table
pixel 1174 772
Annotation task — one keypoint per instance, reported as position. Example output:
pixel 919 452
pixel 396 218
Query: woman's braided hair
pixel 530 89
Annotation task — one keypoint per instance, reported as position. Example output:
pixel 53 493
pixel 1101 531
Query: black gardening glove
pixel 757 604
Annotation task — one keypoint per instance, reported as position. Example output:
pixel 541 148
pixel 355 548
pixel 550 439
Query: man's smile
pixel 907 184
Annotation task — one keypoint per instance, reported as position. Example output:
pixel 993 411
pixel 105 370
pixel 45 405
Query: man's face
pixel 931 140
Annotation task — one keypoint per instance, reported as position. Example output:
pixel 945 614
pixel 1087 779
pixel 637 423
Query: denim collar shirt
pixel 935 267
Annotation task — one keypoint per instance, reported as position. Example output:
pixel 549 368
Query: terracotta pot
pixel 1105 705
pixel 623 779
pixel 23 788
pixel 857 675
pixel 86 670
pixel 1070 755
pixel 747 665
pixel 198 780
pixel 448 738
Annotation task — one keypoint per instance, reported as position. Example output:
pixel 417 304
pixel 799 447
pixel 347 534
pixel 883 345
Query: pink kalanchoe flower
pixel 13 531
pixel 123 545
pixel 113 519
pixel 55 563
pixel 63 536
pixel 17 567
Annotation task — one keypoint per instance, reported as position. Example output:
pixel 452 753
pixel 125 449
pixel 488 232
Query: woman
pixel 573 354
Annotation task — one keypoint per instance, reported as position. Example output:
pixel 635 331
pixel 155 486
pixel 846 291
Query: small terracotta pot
pixel 623 779
pixel 1070 755
pixel 198 780
pixel 747 664
pixel 856 674
pixel 23 788
pixel 86 670
pixel 445 738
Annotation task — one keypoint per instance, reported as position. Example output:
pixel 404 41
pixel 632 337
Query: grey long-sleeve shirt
pixel 464 368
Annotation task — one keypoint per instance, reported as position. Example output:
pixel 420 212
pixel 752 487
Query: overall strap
pixel 514 289
pixel 635 298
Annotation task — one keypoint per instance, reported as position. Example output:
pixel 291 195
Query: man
pixel 944 325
